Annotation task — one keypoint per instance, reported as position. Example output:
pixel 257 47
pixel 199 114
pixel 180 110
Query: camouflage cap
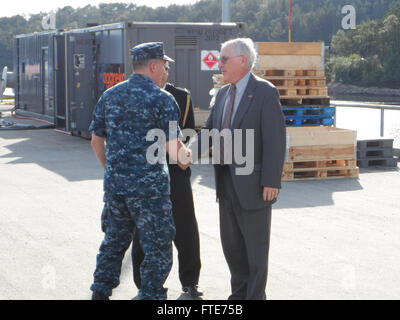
pixel 149 50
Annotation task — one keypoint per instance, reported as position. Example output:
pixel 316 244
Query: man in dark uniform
pixel 187 234
pixel 136 192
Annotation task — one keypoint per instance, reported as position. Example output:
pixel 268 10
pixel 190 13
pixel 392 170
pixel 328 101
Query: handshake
pixel 184 157
pixel 180 153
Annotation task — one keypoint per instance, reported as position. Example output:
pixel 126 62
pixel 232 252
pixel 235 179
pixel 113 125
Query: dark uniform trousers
pixel 245 238
pixel 187 234
pixel 153 217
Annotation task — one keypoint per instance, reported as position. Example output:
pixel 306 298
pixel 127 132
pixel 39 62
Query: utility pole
pixel 290 20
pixel 226 11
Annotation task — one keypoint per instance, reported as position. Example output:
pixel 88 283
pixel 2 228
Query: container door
pixel 81 81
pixel 45 80
pixel 59 82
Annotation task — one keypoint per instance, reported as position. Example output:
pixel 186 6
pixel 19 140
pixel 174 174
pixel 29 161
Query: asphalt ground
pixel 331 239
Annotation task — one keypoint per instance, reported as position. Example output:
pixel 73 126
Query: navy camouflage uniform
pixel 136 193
pixel 186 240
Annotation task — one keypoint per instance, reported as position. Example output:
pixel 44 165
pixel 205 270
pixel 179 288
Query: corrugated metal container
pixel 35 71
pixel 61 74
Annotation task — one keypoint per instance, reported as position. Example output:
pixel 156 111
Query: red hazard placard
pixel 209 60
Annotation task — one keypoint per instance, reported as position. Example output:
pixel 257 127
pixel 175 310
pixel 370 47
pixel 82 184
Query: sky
pixel 26 7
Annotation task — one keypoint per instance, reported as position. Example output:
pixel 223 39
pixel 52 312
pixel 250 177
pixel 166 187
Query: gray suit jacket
pixel 260 110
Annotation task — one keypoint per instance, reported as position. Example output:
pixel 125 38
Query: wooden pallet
pixel 287 82
pixel 320 136
pixel 299 166
pixel 290 48
pixel 279 62
pixel 319 143
pixel 296 82
pixel 327 152
pixel 296 92
pixel 305 101
pixel 321 175
pixel 291 73
pixel 290 55
pixel 293 95
pixel 320 169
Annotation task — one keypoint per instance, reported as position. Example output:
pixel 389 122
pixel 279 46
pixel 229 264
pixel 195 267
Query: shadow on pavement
pixel 70 157
pixel 296 194
pixel 73 158
pixel 313 193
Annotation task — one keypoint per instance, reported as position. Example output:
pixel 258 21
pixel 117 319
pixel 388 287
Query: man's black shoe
pixel 99 296
pixel 194 291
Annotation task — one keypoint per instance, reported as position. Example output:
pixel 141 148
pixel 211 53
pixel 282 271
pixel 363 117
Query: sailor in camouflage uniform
pixel 186 240
pixel 136 193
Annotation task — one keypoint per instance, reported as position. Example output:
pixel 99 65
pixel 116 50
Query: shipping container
pixel 61 74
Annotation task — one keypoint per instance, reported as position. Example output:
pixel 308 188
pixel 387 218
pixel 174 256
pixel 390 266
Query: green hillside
pixel 374 40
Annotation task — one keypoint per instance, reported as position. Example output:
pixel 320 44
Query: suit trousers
pixel 245 236
pixel 187 234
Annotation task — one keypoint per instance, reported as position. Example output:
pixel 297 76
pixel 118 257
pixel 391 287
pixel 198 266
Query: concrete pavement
pixel 331 239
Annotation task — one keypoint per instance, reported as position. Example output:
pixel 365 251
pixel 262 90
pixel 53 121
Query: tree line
pixel 374 42
pixel 368 55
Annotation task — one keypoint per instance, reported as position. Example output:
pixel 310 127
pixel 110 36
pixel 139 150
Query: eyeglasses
pixel 166 68
pixel 224 59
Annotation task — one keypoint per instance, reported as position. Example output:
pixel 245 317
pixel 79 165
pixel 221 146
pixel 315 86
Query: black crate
pixel 377 162
pixel 375 143
pixel 375 153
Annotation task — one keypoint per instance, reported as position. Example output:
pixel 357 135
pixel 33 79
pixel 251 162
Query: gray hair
pixel 243 47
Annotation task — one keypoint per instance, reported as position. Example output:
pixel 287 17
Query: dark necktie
pixel 227 118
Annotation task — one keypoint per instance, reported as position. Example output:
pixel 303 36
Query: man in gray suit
pixel 250 104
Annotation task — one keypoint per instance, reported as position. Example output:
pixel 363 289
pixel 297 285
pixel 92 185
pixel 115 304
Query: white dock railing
pixel 381 107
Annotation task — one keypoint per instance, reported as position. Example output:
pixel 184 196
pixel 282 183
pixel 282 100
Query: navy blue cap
pixel 149 50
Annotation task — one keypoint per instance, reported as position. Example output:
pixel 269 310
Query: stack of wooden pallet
pixel 314 149
pixel 297 71
pixel 320 153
